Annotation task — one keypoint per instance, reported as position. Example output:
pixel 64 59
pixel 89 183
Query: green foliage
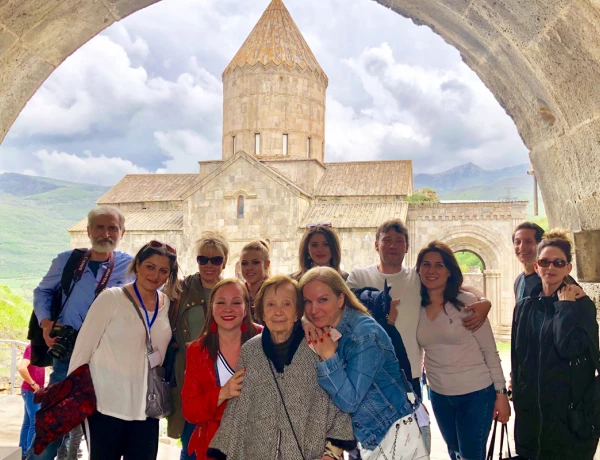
pixel 542 221
pixel 14 315
pixel 468 259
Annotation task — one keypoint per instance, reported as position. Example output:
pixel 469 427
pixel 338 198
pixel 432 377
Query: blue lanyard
pixel 150 323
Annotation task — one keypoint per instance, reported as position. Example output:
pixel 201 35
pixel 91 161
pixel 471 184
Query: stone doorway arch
pixel 540 59
pixel 490 246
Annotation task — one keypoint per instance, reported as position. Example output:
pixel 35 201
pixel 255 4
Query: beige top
pixel 113 341
pixel 458 361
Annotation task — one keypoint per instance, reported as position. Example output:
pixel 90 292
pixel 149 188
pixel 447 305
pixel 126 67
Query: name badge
pixel 154 358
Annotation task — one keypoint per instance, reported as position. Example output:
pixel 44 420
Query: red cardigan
pixel 199 395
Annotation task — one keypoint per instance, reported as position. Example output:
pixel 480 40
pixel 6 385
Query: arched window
pixel 240 207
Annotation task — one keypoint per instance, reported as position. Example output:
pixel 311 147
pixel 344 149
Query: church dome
pixel 276 39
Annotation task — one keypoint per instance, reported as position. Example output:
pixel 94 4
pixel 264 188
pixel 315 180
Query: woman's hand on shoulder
pixel 233 387
pixel 569 293
pixel 502 408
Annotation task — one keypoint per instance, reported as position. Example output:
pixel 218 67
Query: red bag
pixel 64 405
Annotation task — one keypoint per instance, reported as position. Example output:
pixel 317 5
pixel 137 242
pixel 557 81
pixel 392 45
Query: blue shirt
pixel 363 378
pixel 83 294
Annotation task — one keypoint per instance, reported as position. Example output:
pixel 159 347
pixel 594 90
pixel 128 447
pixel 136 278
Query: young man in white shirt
pixel 391 243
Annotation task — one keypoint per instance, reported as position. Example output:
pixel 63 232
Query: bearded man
pixel 96 269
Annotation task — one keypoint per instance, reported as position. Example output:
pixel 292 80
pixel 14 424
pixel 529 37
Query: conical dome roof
pixel 277 39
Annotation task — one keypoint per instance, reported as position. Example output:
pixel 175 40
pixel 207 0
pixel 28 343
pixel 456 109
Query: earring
pixel 244 327
pixel 213 327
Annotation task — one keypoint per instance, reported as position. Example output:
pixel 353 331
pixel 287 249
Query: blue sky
pixel 146 95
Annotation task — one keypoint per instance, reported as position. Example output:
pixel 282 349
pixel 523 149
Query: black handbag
pixel 503 431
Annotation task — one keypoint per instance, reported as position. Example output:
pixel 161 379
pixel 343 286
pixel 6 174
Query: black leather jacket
pixel 549 335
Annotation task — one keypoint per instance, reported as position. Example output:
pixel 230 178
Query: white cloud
pixel 91 169
pixel 182 148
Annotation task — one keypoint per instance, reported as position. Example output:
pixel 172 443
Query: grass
pixel 503 347
pixel 15 312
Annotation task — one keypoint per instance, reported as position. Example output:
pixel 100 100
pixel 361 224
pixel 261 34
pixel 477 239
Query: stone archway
pixel 491 247
pixel 541 60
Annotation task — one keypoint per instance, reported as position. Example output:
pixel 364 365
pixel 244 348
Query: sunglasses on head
pixel 558 263
pixel 319 224
pixel 203 260
pixel 157 245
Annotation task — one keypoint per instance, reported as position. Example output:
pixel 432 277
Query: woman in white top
pixel 113 341
pixel 463 367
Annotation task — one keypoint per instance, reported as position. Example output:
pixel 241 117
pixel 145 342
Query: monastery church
pixel 272 180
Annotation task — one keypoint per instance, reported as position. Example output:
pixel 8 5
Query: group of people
pixel 306 365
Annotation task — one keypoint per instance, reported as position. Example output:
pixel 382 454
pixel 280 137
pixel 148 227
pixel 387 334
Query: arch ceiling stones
pixel 540 59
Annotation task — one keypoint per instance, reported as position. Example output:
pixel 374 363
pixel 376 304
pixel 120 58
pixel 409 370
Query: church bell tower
pixel 274 93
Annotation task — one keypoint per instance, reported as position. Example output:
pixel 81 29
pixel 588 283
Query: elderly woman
pixel 554 342
pixel 187 320
pixel 282 412
pixel 359 369
pixel 209 377
pixel 319 247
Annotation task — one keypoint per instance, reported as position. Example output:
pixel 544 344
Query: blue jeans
pixel 465 422
pixel 186 434
pixel 59 373
pixel 28 427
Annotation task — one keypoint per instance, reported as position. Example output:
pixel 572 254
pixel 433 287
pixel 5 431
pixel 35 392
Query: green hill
pixel 34 215
pixel 14 315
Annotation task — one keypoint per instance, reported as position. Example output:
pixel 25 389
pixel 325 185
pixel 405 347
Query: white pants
pixel 403 441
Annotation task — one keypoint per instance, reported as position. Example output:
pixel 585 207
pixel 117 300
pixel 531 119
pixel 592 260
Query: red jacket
pixel 200 395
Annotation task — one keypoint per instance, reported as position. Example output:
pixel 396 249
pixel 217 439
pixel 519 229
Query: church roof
pixel 355 215
pixel 135 188
pixel 276 39
pixel 144 221
pixel 364 178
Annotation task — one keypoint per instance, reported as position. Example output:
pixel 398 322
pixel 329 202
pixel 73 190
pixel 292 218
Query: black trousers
pixel 110 438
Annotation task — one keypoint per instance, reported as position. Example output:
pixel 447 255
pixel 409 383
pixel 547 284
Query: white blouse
pixel 113 341
pixel 224 370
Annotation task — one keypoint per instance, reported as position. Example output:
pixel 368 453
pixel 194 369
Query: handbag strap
pixel 129 296
pixel 286 411
pixel 504 430
pixel 490 454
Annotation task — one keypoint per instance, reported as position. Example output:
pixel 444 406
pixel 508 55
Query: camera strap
pixel 78 273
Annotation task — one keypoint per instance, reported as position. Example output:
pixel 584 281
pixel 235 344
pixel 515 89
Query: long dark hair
pixel 455 280
pixel 210 338
pixel 172 287
pixel 304 260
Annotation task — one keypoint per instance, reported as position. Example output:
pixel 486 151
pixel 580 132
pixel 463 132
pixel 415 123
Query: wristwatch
pixel 503 391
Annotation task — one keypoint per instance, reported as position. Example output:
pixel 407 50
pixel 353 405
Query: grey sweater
pixel 255 425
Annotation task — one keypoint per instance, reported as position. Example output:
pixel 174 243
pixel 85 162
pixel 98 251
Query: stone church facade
pixel 273 180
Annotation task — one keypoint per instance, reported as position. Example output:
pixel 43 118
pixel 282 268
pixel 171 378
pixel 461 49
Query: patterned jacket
pixel 255 425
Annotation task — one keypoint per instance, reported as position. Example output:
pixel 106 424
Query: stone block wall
pixel 273 101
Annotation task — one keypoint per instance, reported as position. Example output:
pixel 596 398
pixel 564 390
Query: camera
pixel 65 341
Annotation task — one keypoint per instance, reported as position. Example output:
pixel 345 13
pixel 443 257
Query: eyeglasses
pixel 319 224
pixel 157 245
pixel 203 260
pixel 558 263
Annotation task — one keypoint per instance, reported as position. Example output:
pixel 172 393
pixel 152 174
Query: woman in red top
pixel 210 379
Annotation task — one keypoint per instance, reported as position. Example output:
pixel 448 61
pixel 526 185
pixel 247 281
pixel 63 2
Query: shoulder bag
pixel 158 396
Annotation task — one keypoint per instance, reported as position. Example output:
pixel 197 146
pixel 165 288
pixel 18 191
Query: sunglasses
pixel 319 224
pixel 203 260
pixel 157 245
pixel 558 263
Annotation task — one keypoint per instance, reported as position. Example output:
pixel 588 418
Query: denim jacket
pixel 363 378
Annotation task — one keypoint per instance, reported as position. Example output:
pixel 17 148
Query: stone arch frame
pixel 492 249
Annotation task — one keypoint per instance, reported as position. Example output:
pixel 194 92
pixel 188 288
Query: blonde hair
pixel 336 283
pixel 261 246
pixel 213 240
pixel 557 238
pixel 276 282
